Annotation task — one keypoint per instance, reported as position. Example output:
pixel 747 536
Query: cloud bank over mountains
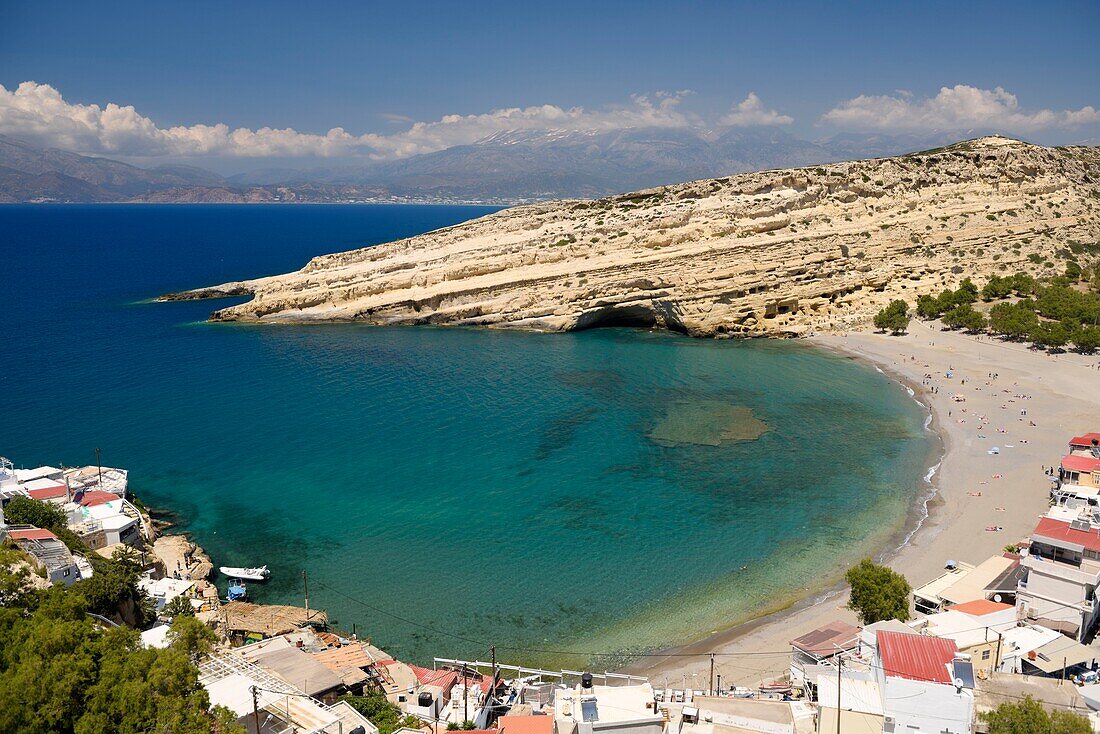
pixel 953 108
pixel 38 112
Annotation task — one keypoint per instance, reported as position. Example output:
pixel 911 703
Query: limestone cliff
pixel 772 252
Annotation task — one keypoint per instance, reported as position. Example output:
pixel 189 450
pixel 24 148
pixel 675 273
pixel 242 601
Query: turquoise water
pixel 446 489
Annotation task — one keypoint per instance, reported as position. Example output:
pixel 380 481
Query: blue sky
pixel 377 69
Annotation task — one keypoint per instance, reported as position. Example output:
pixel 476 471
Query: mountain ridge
pixel 512 166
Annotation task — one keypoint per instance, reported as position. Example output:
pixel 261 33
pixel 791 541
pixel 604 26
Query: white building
pixel 914 684
pixel 106 523
pixel 1062 571
pixel 588 709
pixel 50 555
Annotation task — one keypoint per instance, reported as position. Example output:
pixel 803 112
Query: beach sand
pixel 1063 400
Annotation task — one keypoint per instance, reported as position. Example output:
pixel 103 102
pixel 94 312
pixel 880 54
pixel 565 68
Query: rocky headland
pixel 779 252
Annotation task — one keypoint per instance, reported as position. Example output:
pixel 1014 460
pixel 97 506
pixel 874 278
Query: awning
pixel 1059 625
pixel 1061 653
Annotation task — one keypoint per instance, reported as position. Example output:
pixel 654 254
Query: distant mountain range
pixel 508 167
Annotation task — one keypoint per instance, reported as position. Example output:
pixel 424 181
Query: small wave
pixel 923 505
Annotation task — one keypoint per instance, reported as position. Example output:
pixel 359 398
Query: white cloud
pixel 751 112
pixel 39 113
pixel 953 108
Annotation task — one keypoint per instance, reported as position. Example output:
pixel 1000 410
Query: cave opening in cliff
pixel 633 316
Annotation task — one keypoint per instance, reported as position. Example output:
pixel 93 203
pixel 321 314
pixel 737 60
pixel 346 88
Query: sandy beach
pixel 1060 396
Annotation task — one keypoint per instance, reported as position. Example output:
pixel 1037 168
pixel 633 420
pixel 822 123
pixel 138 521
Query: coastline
pixel 947 519
pixel 920 511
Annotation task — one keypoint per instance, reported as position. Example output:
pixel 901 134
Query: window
pixel 985 654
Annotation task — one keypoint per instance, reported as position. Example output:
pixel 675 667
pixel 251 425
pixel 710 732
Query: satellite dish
pixel 997 598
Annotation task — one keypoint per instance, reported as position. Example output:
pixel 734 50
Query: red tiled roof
pixel 980 607
pixel 1053 529
pixel 445 679
pixel 1073 462
pixel 31 534
pixel 916 657
pixel 828 640
pixel 97 497
pixel 47 493
pixel 525 724
pixel 1084 441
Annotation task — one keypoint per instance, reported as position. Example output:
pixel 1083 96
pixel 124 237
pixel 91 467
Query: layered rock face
pixel 773 252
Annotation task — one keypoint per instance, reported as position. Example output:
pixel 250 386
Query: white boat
pixel 248 574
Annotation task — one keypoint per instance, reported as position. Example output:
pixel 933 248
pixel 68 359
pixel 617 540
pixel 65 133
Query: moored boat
pixel 248 574
pixel 237 590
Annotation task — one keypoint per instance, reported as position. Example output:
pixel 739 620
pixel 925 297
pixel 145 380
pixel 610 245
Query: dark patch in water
pixel 561 431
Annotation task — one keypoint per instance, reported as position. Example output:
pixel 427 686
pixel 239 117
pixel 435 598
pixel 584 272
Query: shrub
pixel 1029 717
pixel 878 593
pixel 27 511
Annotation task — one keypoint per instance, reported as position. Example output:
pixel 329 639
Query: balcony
pixel 1087 573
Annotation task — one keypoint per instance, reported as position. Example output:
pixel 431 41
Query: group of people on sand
pixel 928 380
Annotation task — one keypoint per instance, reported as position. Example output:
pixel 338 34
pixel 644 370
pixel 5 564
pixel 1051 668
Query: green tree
pixel 967 292
pixel 996 287
pixel 878 592
pixel 27 511
pixel 60 673
pixel 1087 339
pixel 380 712
pixel 1029 717
pixel 1012 320
pixel 894 318
pixel 180 606
pixel 14 576
pixel 928 307
pixel 1050 334
pixel 112 590
pixel 964 316
pixel 1073 271
pixel 190 635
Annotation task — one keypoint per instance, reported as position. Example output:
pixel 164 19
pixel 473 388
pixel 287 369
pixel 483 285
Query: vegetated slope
pixel 772 252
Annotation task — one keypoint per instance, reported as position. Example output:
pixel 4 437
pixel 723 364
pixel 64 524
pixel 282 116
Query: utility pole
pixel 492 686
pixel 305 581
pixel 256 709
pixel 710 686
pixel 99 466
pixel 465 695
pixel 719 692
pixel 839 666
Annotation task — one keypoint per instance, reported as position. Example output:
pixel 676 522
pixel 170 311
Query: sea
pixel 571 499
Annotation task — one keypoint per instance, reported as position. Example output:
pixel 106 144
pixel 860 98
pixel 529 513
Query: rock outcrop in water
pixel 773 252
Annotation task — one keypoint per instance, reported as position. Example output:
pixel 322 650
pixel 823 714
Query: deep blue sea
pixel 446 489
